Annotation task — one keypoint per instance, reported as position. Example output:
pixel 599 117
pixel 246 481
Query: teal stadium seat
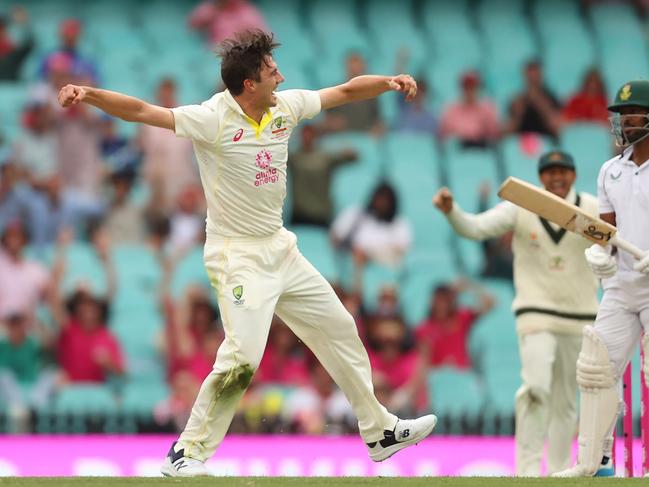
pixel 375 278
pixel 456 397
pixel 336 31
pixel 12 101
pixel 353 184
pixel 402 32
pixel 79 399
pixel 83 269
pixel 454 44
pixel 423 271
pixel 140 334
pixel 509 44
pixel 315 245
pixel 591 145
pixel 189 271
pixel 564 62
pixel 140 399
pixel 412 168
pixel 138 278
pixel 521 153
pixel 468 170
pixel 494 348
pixel 608 21
pixel 495 331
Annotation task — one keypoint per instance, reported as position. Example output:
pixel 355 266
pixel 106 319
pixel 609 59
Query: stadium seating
pixel 564 62
pixel 591 145
pixel 456 397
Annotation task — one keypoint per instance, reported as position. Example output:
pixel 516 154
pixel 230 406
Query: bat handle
pixel 628 247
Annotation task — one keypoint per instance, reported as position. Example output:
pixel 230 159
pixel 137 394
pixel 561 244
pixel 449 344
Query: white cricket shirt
pixel 623 188
pixel 242 163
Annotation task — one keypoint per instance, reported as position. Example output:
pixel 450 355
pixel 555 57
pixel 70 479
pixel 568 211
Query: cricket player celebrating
pixel 555 297
pixel 623 197
pixel 240 138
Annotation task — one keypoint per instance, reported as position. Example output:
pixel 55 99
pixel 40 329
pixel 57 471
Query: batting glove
pixel 601 262
pixel 642 265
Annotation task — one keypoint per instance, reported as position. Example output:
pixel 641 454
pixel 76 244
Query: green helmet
pixel 632 94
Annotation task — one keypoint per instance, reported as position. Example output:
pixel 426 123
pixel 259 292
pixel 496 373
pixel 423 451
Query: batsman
pixel 623 316
pixel 556 297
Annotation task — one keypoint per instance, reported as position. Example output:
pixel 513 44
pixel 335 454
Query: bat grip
pixel 628 247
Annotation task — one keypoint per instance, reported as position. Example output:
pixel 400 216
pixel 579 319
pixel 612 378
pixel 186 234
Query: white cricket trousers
pixel 254 278
pixel 546 402
pixel 622 317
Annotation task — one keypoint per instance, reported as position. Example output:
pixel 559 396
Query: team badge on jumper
pixel 557 263
pixel 237 292
pixel 278 128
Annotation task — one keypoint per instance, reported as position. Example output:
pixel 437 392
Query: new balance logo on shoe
pixel 406 432
pixel 178 465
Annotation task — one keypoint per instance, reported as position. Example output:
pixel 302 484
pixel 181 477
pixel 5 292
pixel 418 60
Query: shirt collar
pixel 258 127
pixel 232 103
pixel 625 159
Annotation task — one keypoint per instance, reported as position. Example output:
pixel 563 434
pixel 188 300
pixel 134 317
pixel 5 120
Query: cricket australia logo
pixel 268 174
pixel 277 123
pixel 278 128
pixel 237 292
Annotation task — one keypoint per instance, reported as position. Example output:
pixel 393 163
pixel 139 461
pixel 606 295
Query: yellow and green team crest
pixel 237 292
pixel 625 92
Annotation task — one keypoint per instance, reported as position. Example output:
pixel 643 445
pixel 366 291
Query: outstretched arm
pixel 367 86
pixel 489 224
pixel 118 105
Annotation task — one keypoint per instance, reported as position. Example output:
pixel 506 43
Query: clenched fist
pixel 443 200
pixel 404 83
pixel 71 95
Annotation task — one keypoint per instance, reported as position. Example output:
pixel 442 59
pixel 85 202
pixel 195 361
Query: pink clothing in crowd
pixel 396 373
pixel 470 122
pixel 22 284
pixel 222 21
pixel 446 342
pixel 78 350
pixel 282 369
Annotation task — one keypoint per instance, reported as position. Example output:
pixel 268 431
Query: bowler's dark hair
pixel 242 57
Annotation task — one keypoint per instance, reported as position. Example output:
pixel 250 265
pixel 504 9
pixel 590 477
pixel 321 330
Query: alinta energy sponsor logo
pixel 268 174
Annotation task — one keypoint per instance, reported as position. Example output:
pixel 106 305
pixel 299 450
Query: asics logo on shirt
pixel 237 136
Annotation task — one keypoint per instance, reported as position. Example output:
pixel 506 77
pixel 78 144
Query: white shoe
pixel 178 465
pixel 606 469
pixel 576 471
pixel 406 432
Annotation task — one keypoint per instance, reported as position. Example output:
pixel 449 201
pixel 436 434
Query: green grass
pixel 312 482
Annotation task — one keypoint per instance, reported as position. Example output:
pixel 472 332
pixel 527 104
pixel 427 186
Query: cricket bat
pixel 566 215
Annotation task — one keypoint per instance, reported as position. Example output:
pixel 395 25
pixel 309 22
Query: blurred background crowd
pixel 107 320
